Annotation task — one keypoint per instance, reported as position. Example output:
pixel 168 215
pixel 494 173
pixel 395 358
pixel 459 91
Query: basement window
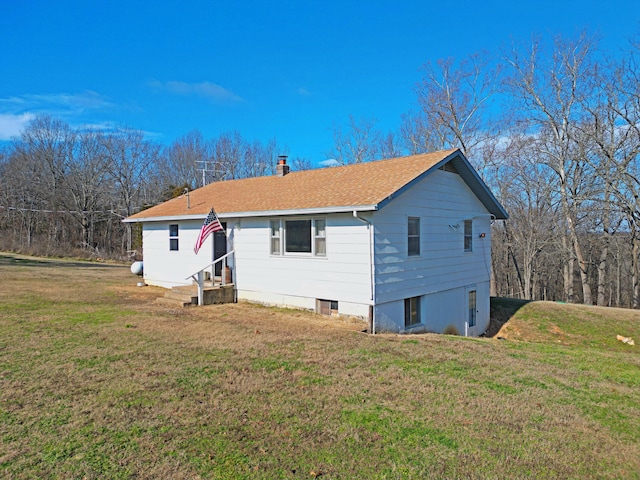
pixel 327 307
pixel 173 237
pixel 411 311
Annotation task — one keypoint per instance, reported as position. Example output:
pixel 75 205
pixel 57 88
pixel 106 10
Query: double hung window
pixel 413 236
pixel 468 235
pixel 173 237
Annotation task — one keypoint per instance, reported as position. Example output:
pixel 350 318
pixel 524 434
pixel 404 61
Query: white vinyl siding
pixel 342 275
pixel 442 202
pixel 166 269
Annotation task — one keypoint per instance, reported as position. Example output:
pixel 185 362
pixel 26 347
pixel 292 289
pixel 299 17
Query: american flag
pixel 211 224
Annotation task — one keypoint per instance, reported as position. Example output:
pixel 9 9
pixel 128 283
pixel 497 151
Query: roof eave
pixel 470 177
pixel 260 213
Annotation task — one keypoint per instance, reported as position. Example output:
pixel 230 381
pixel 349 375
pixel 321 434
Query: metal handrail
pixel 200 275
pixel 210 265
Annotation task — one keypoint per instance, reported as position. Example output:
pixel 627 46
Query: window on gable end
pixel 413 237
pixel 468 235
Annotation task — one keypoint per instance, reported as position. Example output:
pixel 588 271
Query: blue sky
pixel 289 70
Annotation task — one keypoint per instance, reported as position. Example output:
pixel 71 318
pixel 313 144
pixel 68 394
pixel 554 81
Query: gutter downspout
pixel 370 228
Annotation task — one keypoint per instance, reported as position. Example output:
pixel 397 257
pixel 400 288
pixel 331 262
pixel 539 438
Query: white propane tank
pixel 136 268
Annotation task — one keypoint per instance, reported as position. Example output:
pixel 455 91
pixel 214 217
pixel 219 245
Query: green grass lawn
pixel 97 381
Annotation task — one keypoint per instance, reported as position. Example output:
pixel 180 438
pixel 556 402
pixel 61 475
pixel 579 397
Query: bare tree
pixel 612 130
pixel 454 100
pixel 524 188
pixel 389 146
pixel 358 142
pixel 301 163
pixel 87 183
pixel 549 90
pixel 188 161
pixel 131 159
pixel 228 150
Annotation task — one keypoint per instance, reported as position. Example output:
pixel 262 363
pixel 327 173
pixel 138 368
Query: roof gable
pixel 362 186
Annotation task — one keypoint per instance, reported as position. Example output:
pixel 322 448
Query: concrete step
pixel 185 289
pixel 187 295
pixel 173 302
pixel 183 297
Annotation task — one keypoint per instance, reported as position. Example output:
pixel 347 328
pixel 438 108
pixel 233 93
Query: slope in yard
pixel 98 381
pixel 578 325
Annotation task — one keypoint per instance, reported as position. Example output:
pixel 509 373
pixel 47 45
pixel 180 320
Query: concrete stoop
pixel 187 295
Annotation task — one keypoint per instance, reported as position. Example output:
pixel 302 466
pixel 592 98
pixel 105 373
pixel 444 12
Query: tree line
pixel 64 191
pixel 552 126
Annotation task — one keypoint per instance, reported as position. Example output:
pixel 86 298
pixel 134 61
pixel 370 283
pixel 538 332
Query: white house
pixel 403 242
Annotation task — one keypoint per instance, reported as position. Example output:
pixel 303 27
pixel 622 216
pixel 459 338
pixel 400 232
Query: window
pixel 327 307
pixel 468 235
pixel 320 237
pixel 275 237
pixel 472 308
pixel 411 311
pixel 413 237
pixel 298 237
pixel 173 238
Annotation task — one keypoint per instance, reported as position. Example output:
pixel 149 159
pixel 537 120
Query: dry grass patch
pixel 99 381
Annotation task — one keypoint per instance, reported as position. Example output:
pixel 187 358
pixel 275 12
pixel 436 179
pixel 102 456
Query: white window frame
pixel 316 237
pixel 468 236
pixel 414 236
pixel 174 238
pixel 319 238
pixel 277 236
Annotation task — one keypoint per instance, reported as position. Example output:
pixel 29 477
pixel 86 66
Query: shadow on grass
pixel 502 309
pixel 9 259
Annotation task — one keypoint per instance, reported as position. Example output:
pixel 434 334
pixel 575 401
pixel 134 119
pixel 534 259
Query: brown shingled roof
pixel 358 185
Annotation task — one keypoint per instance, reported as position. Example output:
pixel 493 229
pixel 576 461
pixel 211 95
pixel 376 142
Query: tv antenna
pixel 205 169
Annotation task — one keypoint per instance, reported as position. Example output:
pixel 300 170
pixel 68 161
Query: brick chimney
pixel 282 168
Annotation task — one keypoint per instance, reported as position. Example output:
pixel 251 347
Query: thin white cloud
pixel 55 102
pixel 303 92
pixel 208 90
pixel 75 108
pixel 11 125
pixel 329 162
